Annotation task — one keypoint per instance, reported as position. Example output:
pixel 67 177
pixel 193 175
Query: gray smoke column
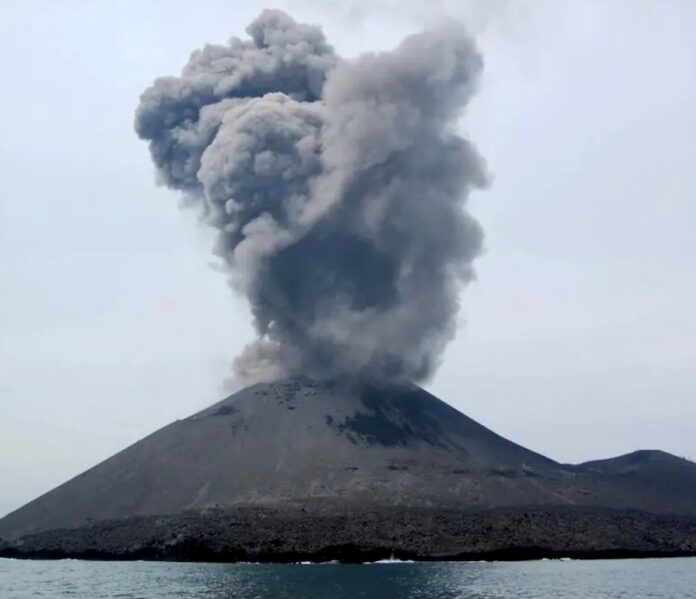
pixel 337 187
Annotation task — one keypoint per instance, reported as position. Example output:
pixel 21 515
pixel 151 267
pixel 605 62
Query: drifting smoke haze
pixel 337 188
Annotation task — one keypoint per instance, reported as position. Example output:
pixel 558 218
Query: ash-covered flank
pixel 347 444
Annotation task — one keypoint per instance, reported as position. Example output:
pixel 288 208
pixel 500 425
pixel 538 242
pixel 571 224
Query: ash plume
pixel 337 187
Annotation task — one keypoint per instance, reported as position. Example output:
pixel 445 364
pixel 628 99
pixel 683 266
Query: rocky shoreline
pixel 292 535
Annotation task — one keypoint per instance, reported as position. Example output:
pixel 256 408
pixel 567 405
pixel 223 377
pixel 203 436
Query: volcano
pixel 306 451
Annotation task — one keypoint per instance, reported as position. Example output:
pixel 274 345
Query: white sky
pixel 578 340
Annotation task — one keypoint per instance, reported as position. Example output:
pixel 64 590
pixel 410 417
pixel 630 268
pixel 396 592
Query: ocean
pixel 613 579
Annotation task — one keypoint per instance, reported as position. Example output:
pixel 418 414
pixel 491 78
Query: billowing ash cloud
pixel 337 188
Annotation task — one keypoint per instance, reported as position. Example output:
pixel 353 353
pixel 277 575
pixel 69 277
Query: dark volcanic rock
pixel 302 468
pixel 264 534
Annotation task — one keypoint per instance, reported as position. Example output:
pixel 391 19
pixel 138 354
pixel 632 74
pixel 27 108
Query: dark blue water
pixel 620 579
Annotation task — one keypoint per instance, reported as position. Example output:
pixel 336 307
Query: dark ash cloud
pixel 338 189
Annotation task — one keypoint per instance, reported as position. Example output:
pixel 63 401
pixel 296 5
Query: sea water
pixel 561 579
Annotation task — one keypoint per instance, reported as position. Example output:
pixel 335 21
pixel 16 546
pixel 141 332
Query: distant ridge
pixel 639 461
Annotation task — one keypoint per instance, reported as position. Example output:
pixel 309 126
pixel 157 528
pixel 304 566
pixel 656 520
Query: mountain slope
pixel 333 445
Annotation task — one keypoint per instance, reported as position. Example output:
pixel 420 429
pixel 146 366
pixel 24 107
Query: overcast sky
pixel 578 339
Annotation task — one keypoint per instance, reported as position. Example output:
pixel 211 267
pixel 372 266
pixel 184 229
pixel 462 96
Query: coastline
pixel 269 535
